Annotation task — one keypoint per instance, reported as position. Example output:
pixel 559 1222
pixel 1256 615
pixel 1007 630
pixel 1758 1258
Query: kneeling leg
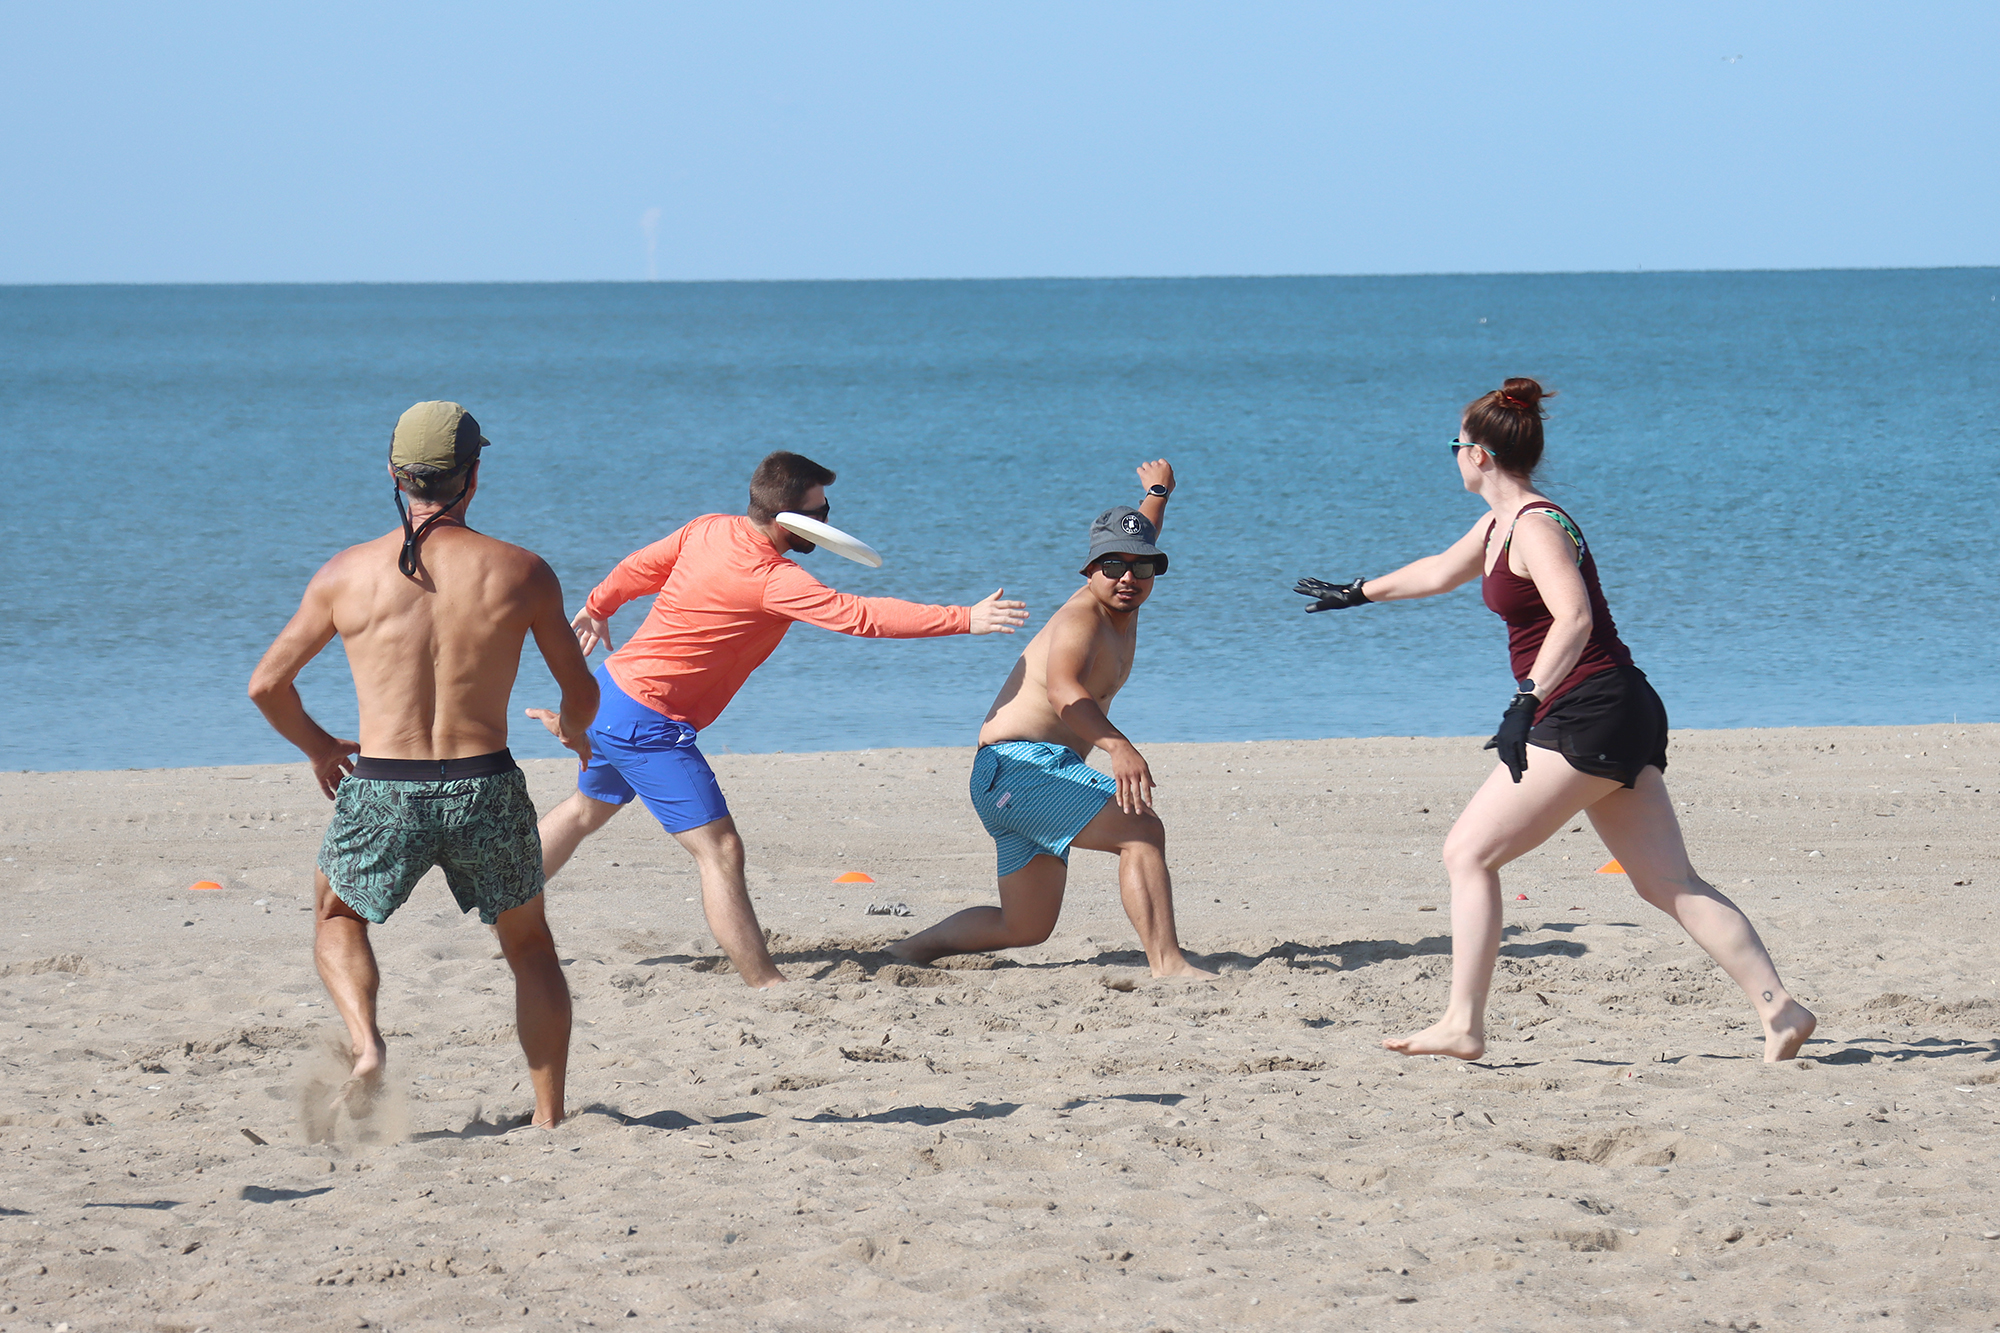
pixel 1030 900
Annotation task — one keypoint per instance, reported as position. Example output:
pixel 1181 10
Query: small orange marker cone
pixel 1611 868
pixel 204 884
pixel 854 877
pixel 1520 897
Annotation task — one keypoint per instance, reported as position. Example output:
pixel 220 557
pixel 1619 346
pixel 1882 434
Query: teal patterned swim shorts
pixel 386 834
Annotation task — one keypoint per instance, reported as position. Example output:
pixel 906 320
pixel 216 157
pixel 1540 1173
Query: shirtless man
pixel 1030 784
pixel 723 597
pixel 433 618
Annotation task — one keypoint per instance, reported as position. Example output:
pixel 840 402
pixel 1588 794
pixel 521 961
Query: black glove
pixel 1331 596
pixel 1512 738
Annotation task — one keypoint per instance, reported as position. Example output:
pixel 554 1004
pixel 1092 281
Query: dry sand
pixel 1051 1140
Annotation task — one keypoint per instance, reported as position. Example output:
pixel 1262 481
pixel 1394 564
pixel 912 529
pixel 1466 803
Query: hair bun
pixel 1507 422
pixel 1522 394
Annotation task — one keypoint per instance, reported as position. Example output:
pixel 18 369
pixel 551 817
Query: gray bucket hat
pixel 1123 531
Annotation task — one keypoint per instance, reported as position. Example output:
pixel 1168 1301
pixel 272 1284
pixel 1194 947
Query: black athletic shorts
pixel 1611 726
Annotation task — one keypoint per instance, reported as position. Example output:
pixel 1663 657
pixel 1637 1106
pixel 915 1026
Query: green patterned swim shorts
pixel 387 832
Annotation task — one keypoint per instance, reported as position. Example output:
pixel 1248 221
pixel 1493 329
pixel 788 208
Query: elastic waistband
pixel 435 770
pixel 1019 748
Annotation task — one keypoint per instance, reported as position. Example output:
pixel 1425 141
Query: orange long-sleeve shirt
pixel 725 599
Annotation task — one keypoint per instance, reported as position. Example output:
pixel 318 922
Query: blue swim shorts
pixel 639 751
pixel 1034 798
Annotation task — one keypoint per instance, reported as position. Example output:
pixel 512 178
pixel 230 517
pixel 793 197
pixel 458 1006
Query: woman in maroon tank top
pixel 1595 729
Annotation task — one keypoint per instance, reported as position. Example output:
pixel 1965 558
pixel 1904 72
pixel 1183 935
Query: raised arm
pixel 1072 640
pixel 273 690
pixel 1161 473
pixel 1428 577
pixel 562 650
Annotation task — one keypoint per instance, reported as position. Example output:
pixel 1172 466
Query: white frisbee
pixel 832 538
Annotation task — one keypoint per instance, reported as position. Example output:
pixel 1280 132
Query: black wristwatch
pixel 1159 490
pixel 1525 687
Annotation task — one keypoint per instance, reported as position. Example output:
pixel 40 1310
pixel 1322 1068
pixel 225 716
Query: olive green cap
pixel 437 437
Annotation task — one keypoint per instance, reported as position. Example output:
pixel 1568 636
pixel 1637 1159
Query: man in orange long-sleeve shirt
pixel 724 595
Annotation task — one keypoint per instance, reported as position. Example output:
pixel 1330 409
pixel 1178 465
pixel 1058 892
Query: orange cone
pixel 204 884
pixel 853 877
pixel 1611 868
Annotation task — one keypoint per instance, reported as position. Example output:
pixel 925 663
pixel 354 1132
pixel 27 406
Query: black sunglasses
pixel 825 507
pixel 1141 569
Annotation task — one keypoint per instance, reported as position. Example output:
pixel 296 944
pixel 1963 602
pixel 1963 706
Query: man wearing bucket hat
pixel 433 618
pixel 1033 791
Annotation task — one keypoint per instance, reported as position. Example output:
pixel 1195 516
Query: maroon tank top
pixel 1518 602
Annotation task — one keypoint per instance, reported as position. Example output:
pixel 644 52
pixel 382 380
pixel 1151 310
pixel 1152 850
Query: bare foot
pixel 904 951
pixel 1439 1039
pixel 1785 1033
pixel 1185 970
pixel 767 983
pixel 529 1124
pixel 357 1095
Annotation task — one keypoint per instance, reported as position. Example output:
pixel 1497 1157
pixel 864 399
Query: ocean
pixel 1789 480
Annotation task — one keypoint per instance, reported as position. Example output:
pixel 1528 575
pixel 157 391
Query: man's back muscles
pixel 434 658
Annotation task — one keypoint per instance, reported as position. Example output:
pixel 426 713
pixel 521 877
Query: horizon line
pixel 1078 278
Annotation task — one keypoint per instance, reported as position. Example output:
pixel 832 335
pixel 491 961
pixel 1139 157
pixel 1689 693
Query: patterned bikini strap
pixel 1562 520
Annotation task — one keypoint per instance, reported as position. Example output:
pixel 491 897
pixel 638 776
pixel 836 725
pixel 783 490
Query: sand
pixel 1049 1140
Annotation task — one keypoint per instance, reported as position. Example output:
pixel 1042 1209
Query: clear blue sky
pixel 200 142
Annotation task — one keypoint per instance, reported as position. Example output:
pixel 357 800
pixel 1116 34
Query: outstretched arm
pixel 1456 564
pixel 794 593
pixel 1071 642
pixel 273 690
pixel 562 650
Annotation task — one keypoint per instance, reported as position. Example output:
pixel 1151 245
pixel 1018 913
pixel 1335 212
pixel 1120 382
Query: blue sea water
pixel 1789 480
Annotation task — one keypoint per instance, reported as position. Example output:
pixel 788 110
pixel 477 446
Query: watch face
pixel 1156 489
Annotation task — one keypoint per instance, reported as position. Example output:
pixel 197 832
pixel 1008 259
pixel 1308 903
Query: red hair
pixel 1507 423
